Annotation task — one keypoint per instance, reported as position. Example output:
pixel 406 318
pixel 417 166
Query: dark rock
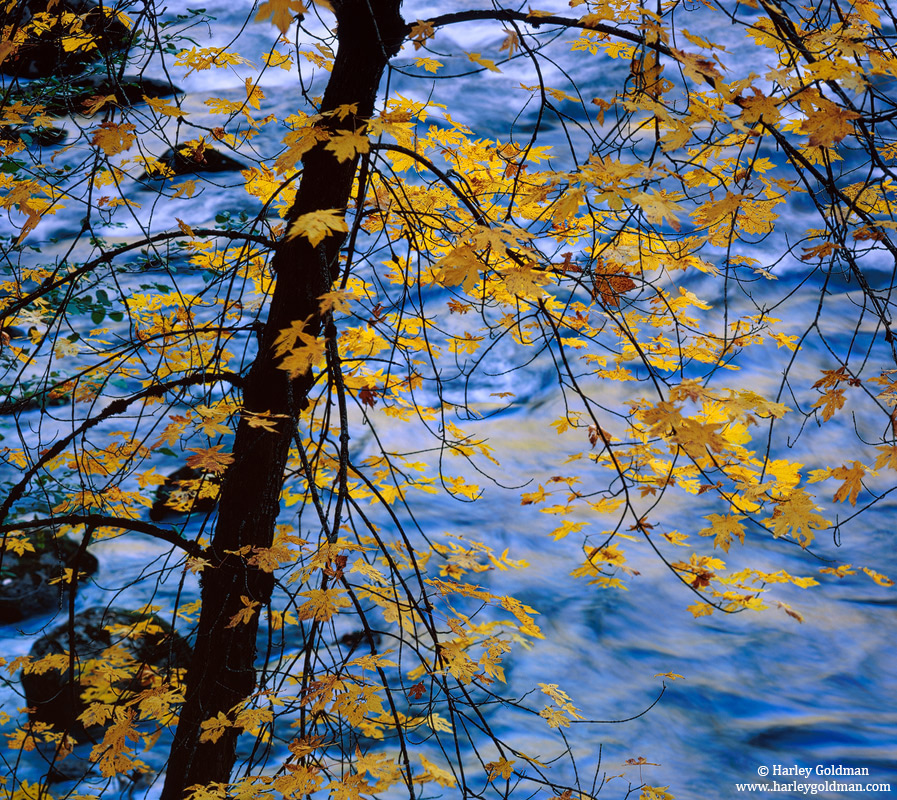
pixel 11 332
pixel 354 639
pixel 114 635
pixel 187 161
pixel 186 491
pixel 34 137
pixel 77 95
pixel 49 398
pixel 44 56
pixel 25 588
pixel 60 766
pixel 130 89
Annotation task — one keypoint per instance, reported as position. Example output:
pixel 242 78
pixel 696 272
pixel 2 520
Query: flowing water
pixel 758 690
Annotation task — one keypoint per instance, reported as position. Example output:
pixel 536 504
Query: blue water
pixel 758 690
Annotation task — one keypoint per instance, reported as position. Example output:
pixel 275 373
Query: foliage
pixel 638 264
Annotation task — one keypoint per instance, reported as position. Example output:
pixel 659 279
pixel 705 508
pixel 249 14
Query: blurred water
pixel 758 689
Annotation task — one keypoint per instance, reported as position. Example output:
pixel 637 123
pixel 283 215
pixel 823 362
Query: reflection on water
pixel 757 689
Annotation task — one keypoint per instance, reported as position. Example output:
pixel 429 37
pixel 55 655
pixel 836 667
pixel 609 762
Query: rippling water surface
pixel 758 690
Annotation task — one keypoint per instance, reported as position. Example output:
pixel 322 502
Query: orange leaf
pixel 210 459
pixel 853 482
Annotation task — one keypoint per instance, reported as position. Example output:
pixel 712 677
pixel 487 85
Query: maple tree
pixel 376 267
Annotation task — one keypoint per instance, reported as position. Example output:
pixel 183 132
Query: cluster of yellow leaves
pixel 558 715
pixel 624 225
pixel 208 57
pixel 298 349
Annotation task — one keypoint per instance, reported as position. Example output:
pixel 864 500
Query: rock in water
pixel 185 491
pixel 106 640
pixel 33 137
pixel 189 161
pixel 77 95
pixel 25 588
pixel 44 56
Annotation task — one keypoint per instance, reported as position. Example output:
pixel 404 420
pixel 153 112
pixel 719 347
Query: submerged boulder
pixel 117 654
pixel 75 33
pixel 33 137
pixel 29 580
pixel 190 161
pixel 79 94
pixel 186 491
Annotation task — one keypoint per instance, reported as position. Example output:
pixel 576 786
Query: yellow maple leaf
pixel 719 210
pixel 464 344
pixel 658 206
pixel 759 107
pixel 322 604
pixel 113 753
pixel 420 32
pixel 839 571
pixel 500 768
pixel 528 498
pixel 790 611
pixel 828 125
pixel 460 266
pixel 511 42
pixel 350 787
pixel 281 12
pixel 881 580
pixel 166 109
pixel 655 793
pixel 213 729
pixel 442 776
pixel 722 528
pixel 796 512
pixel 245 614
pixel 554 717
pixel 697 67
pixel 277 59
pixel 674 537
pixel 831 401
pixel 488 63
pixel 299 348
pixel 94 103
pixel 460 486
pixel 185 189
pixel 853 482
pixel 96 714
pixel 318 225
pixel 429 64
pixel 701 610
pixel 567 527
pixel 79 42
pixel 184 227
pixel 524 281
pixel 346 145
pixel 887 457
pixel 303 357
pixel 114 138
pixel 210 459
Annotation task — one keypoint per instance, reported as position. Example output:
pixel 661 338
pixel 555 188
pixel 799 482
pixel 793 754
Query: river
pixel 758 690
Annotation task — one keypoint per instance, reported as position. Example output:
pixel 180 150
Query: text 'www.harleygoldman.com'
pixel 795 779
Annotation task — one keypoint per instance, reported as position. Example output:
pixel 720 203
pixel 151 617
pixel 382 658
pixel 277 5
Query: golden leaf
pixel 114 138
pixel 281 12
pixel 318 225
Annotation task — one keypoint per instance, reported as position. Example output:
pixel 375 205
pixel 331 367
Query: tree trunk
pixel 222 672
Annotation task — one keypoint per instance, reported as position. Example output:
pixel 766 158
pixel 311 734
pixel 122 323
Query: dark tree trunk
pixel 222 672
